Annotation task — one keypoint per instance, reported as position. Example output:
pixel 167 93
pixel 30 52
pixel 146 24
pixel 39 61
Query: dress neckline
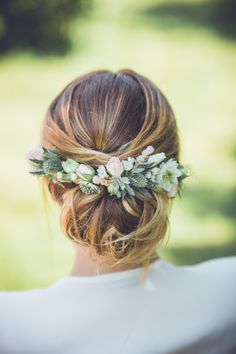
pixel 126 275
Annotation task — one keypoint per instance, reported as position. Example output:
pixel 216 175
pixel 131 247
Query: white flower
pixel 131 159
pixel 85 172
pixel 140 158
pixel 168 175
pixel 35 153
pixel 98 180
pixel 104 182
pixel 101 170
pixel 128 164
pixel 173 191
pixel 148 151
pixel 70 165
pixel 114 166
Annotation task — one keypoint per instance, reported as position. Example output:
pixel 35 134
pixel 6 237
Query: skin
pixel 84 264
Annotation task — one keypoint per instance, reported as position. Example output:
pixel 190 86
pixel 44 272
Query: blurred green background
pixel 187 48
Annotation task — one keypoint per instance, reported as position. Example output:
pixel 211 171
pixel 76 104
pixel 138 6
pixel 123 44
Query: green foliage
pixel 42 26
pixel 52 166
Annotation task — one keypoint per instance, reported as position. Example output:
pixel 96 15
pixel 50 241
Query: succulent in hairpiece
pixel 88 187
pixel 120 177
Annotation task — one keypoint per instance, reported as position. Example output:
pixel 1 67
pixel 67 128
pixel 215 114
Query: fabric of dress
pixel 175 309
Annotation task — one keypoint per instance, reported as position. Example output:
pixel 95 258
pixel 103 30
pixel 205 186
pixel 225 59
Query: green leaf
pixel 148 165
pixel 145 192
pixel 156 158
pixel 49 154
pixel 130 190
pixel 39 162
pixel 51 166
pixel 133 200
pixel 138 169
pixel 123 193
pixel 40 172
pixel 118 194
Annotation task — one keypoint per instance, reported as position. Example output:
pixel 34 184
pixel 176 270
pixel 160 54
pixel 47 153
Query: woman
pixel 109 155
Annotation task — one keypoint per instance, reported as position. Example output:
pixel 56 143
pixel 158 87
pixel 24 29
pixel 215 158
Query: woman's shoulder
pixel 216 268
pixel 216 271
pixel 10 300
pixel 220 264
pixel 214 280
pixel 207 288
pixel 210 279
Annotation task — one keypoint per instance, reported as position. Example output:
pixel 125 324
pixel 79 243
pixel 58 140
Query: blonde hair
pixel 97 116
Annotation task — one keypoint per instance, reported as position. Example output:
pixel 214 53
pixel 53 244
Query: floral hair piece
pixel 146 172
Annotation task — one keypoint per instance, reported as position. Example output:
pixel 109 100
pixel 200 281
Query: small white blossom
pixel 85 172
pixel 140 158
pixel 35 153
pixel 128 164
pixel 104 181
pixel 131 159
pixel 148 151
pixel 168 175
pixel 96 179
pixel 101 170
pixel 114 166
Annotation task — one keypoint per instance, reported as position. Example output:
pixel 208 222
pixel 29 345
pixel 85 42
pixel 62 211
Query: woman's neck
pixel 85 265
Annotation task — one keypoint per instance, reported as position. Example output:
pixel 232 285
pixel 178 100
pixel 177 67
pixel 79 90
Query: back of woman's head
pixel 97 116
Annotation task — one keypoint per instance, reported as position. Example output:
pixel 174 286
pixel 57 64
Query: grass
pixel 193 66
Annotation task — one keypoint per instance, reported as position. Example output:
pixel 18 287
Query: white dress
pixel 177 309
